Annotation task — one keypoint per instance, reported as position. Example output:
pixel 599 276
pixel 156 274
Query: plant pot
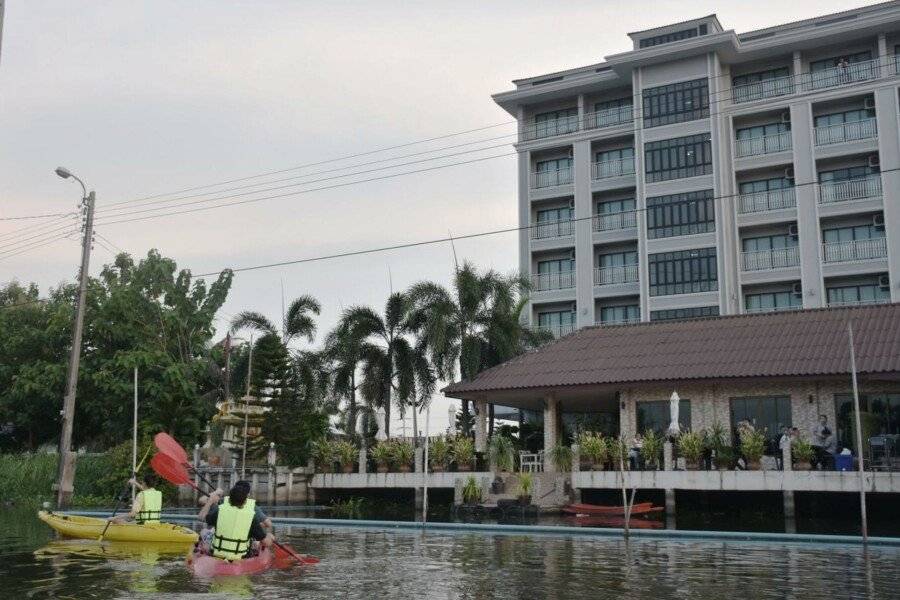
pixel 525 500
pixel 803 465
pixel 464 467
pixel 692 465
pixel 437 468
pixel 404 468
pixel 381 468
pixel 754 465
pixel 598 466
pixel 347 468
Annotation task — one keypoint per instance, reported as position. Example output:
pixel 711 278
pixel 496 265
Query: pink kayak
pixel 207 566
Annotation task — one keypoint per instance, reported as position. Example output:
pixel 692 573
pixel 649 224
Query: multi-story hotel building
pixel 708 172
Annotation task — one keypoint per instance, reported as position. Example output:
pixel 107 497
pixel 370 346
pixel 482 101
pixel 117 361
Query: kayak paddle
pixel 122 495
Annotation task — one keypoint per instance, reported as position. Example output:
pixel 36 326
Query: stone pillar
pixel 273 485
pixel 584 245
pixel 790 520
pixel 362 461
pixel 576 469
pixel 889 156
pixel 786 458
pixel 670 509
pixel 551 418
pixel 480 425
pixel 254 485
pixel 668 463
pixel 810 243
pixel 457 490
pixel 419 501
pixel 418 460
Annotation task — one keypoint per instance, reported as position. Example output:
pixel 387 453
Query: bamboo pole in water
pixel 864 526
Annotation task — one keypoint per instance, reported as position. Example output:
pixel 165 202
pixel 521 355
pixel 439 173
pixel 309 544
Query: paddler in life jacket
pixel 147 504
pixel 236 523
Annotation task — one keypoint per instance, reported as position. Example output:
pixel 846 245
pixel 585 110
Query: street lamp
pixel 66 174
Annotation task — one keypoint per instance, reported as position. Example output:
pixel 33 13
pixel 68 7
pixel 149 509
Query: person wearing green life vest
pixel 147 505
pixel 237 523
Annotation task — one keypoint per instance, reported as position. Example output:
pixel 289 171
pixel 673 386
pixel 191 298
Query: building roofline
pixel 695 19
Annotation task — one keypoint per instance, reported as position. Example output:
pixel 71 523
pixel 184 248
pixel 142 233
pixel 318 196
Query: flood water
pixel 359 564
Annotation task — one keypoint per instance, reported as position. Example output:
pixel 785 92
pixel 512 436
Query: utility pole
pixel 66 456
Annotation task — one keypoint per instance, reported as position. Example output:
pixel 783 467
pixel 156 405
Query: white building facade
pixel 707 172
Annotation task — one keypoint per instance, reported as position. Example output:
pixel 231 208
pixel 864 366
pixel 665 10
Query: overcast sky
pixel 144 98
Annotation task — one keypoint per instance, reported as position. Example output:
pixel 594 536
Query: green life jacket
pixel 232 538
pixel 151 506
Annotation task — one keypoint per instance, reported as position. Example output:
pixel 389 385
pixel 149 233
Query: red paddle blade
pixel 284 551
pixel 170 470
pixel 166 444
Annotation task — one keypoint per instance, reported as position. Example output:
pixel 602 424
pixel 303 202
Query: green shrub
pixel 715 437
pixel 439 452
pixel 753 444
pixel 464 450
pixel 617 451
pixel 526 484
pixel 725 457
pixel 561 456
pixel 502 452
pixel 323 454
pixel 593 447
pixel 346 452
pixel 651 449
pixel 382 453
pixel 690 446
pixel 471 491
pixel 402 453
pixel 803 451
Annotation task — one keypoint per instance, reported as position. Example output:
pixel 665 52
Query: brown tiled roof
pixel 785 344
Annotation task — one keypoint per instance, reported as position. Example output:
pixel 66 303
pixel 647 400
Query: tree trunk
pixel 490 421
pixel 415 426
pixel 352 404
pixel 387 409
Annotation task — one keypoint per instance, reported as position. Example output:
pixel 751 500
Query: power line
pixel 35 245
pixel 15 233
pixel 24 217
pixel 34 236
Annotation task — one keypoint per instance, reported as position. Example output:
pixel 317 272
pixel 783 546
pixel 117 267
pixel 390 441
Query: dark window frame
pixel 683 272
pixel 678 158
pixel 673 36
pixel 688 213
pixel 676 102
pixel 657 412
pixel 678 314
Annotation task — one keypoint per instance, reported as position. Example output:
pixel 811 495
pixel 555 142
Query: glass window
pixel 847 174
pixel 683 272
pixel 849 234
pixel 676 102
pixel 667 38
pixel 757 77
pixel 674 314
pixel 655 415
pixel 758 131
pixel 556 164
pixel 847 116
pixel 554 214
pixel 620 314
pixel 765 185
pixel 611 207
pixel 618 259
pixel 562 265
pixel 836 61
pixel 613 104
pixel 677 158
pixel 556 122
pixel 681 214
pixel 769 242
pixel 772 301
pixel 611 155
pixel 553 319
pixel 856 294
pixel 765 413
pixel 879 415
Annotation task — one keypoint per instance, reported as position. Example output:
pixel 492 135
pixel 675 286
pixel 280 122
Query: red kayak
pixel 207 566
pixel 595 509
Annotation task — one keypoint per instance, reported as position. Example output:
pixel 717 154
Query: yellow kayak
pixel 90 528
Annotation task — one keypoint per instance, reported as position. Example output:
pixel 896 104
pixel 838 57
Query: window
pixel 836 61
pixel 841 70
pixel 556 122
pixel 656 416
pixel 612 112
pixel 848 116
pixel 675 36
pixel 758 131
pixel 765 413
pixel 556 320
pixel 849 234
pixel 611 105
pixel 678 158
pixel 763 84
pixel 676 102
pixel 612 207
pixel 556 164
pixel 674 314
pixel 847 174
pixel 880 415
pixel 562 265
pixel 769 242
pixel 630 313
pixel 552 215
pixel 611 155
pixel 772 301
pixel 681 214
pixel 868 293
pixel 618 259
pixel 683 272
pixel 765 185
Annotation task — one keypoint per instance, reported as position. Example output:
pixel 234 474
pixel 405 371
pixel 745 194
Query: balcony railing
pixel 553 127
pixel 769 88
pixel 613 221
pixel 868 249
pixel 767 144
pixel 609 117
pixel 613 168
pixel 555 330
pixel 851 189
pixel 616 275
pixel 846 132
pixel 553 229
pixel 837 76
pixel 618 321
pixel 757 202
pixel 860 302
pixel 545 179
pixel 767 309
pixel 544 282
pixel 764 260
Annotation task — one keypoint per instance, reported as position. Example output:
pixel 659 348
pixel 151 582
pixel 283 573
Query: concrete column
pixel 807 210
pixel 886 59
pixel 419 500
pixel 418 461
pixel 254 485
pixel 584 247
pixel 670 509
pixel 457 490
pixel 362 461
pixel 220 481
pixel 640 204
pixel 790 514
pixel 551 417
pixel 524 159
pixel 668 463
pixel 480 425
pixel 786 458
pixel 798 66
pixel 889 156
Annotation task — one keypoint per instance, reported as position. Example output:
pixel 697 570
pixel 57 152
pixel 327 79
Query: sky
pixel 147 98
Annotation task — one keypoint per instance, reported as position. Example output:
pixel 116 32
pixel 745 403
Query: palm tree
pixel 343 354
pixel 394 370
pixel 297 321
pixel 460 325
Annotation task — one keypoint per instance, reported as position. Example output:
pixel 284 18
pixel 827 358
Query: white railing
pixel 618 321
pixel 764 260
pixel 556 330
pixel 851 189
pixel 756 202
pixel 563 280
pixel 553 229
pixel 619 220
pixel 769 88
pixel 767 144
pixel 855 250
pixel 766 309
pixel 609 117
pixel 550 128
pixel 836 76
pixel 544 179
pixel 846 132
pixel 616 275
pixel 612 168
pixel 860 302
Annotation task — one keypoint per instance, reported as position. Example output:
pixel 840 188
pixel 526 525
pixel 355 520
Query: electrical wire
pixel 35 245
pixel 15 233
pixel 24 217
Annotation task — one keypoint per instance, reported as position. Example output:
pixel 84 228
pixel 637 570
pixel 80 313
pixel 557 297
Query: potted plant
pixel 725 458
pixel 502 453
pixel 464 453
pixel 593 447
pixel 715 437
pixel 690 446
pixel 346 453
pixel 439 454
pixel 561 455
pixel 803 454
pixel 402 454
pixel 617 453
pixel 651 449
pixel 382 454
pixel 471 492
pixel 526 485
pixel 323 455
pixel 753 445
